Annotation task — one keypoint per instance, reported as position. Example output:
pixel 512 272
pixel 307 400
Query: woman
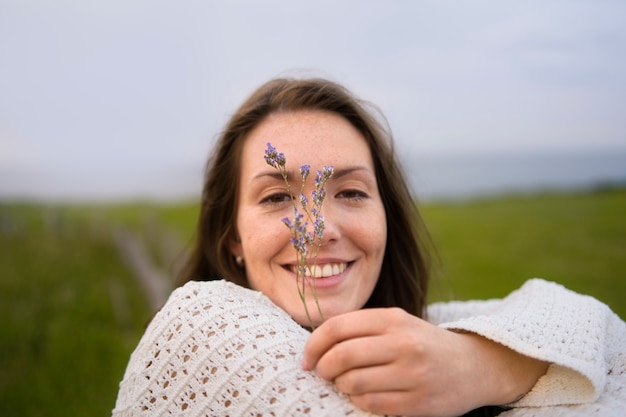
pixel 241 347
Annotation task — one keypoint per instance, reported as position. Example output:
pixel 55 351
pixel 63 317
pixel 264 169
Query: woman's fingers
pixel 358 353
pixel 372 379
pixel 353 325
pixel 397 403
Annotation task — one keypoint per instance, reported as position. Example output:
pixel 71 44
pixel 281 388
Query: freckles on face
pixel 352 250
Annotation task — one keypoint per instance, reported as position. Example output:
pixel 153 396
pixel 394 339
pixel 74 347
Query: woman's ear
pixel 236 250
pixel 234 245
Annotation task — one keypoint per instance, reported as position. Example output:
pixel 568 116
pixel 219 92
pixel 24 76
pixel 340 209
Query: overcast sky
pixel 125 97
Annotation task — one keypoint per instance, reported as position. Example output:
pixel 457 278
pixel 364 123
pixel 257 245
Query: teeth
pixel 326 270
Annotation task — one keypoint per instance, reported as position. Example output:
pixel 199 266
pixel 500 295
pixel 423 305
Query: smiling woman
pixel 232 340
pixel 352 200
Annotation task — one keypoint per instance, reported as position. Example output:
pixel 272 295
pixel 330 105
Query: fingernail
pixel 305 365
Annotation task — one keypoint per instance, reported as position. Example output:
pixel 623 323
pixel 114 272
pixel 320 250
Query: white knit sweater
pixel 217 349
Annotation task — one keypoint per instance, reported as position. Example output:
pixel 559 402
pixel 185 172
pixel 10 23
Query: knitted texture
pixel 216 349
pixel 584 341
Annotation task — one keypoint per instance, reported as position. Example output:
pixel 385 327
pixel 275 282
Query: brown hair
pixel 404 275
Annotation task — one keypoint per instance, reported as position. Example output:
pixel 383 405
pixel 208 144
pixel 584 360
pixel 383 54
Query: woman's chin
pixel 304 321
pixel 314 319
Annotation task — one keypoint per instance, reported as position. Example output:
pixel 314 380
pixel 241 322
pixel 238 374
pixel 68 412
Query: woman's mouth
pixel 322 271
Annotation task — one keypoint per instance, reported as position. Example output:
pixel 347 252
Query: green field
pixel 71 311
pixel 489 247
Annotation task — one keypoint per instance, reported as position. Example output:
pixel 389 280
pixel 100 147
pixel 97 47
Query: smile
pixel 323 271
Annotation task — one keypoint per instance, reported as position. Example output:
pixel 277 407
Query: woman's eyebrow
pixel 272 175
pixel 338 173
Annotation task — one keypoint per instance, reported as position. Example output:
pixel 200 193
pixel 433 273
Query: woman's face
pixel 353 245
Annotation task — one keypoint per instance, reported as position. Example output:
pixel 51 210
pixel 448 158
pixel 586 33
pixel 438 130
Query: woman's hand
pixel 391 362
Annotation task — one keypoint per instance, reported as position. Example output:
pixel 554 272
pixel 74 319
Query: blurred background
pixel 508 117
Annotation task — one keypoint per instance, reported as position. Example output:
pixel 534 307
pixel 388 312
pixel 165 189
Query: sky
pixel 124 98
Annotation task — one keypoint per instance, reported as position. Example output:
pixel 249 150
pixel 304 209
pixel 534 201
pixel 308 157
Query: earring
pixel 239 260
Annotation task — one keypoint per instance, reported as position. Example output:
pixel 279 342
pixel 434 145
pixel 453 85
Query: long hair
pixel 403 280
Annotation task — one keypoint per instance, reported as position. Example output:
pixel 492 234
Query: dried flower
pixel 305 243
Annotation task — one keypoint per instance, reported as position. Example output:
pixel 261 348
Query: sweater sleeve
pixel 218 349
pixel 581 338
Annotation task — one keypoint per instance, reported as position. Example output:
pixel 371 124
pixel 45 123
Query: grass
pixel 489 247
pixel 71 313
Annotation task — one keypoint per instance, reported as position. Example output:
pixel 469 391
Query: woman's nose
pixel 331 229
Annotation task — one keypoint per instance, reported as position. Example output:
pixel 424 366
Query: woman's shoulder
pixel 216 348
pixel 197 302
pixel 199 290
pixel 208 335
pixel 218 294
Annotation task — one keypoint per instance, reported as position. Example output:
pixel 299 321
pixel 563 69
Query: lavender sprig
pixel 305 242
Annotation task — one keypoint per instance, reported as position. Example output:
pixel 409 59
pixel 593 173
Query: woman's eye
pixel 276 199
pixel 354 195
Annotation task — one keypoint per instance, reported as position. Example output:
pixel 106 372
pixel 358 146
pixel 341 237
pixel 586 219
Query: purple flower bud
pixel 304 202
pixel 318 179
pixel 270 155
pixel 287 223
pixel 304 171
pixel 319 227
pixel 281 161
